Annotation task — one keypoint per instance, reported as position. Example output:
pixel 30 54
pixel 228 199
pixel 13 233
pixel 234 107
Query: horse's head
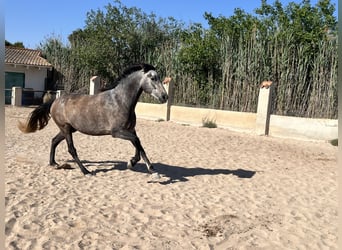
pixel 152 85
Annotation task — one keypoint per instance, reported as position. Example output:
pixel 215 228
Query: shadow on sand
pixel 176 173
pixel 173 173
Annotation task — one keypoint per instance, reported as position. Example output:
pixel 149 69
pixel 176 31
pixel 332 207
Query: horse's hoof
pixel 53 165
pixel 129 165
pixel 155 176
pixel 63 166
pixel 88 174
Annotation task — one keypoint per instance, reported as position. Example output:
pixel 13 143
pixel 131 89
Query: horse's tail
pixel 37 119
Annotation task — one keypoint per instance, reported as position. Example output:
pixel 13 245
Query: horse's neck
pixel 128 92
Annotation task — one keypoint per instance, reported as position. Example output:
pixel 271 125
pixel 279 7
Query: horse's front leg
pixel 132 136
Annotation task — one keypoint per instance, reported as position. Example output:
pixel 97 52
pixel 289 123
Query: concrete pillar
pixel 169 90
pixel 94 85
pixel 264 110
pixel 17 94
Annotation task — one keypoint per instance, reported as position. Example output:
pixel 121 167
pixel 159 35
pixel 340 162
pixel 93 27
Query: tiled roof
pixel 20 56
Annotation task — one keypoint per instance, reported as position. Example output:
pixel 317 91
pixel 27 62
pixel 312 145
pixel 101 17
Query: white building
pixel 25 68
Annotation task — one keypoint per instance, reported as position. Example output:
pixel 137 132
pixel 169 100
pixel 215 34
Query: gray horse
pixel 111 112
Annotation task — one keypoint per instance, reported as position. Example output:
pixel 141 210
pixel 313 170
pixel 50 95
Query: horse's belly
pixel 95 133
pixel 93 129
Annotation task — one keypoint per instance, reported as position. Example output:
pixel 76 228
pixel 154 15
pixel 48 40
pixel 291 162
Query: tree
pixel 16 44
pixel 118 36
pixel 198 55
pixel 221 66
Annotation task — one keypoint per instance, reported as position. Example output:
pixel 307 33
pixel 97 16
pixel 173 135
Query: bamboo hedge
pixel 305 84
pixel 220 67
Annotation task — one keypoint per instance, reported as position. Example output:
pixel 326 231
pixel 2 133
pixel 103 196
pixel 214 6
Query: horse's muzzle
pixel 163 98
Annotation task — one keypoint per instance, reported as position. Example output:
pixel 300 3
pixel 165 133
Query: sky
pixel 31 22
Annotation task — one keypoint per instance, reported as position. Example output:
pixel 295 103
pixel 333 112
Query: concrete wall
pixel 279 126
pixel 303 128
pixel 239 121
pixel 151 111
pixel 260 123
pixel 226 119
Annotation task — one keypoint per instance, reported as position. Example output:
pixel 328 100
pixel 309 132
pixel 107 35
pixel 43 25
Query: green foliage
pixel 198 56
pixel 334 142
pixel 16 44
pixel 119 36
pixel 220 67
pixel 68 69
pixel 208 123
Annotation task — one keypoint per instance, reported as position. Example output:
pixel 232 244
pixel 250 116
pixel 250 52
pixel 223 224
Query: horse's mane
pixel 129 70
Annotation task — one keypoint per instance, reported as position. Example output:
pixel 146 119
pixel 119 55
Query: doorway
pixel 13 79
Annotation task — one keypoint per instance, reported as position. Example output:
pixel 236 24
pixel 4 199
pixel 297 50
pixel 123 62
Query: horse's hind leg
pixel 136 158
pixel 55 141
pixel 72 151
pixel 143 155
pixel 140 151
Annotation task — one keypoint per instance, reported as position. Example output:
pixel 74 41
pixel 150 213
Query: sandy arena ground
pixel 219 190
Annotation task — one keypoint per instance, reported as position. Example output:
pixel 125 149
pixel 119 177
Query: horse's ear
pixel 149 74
pixel 147 67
